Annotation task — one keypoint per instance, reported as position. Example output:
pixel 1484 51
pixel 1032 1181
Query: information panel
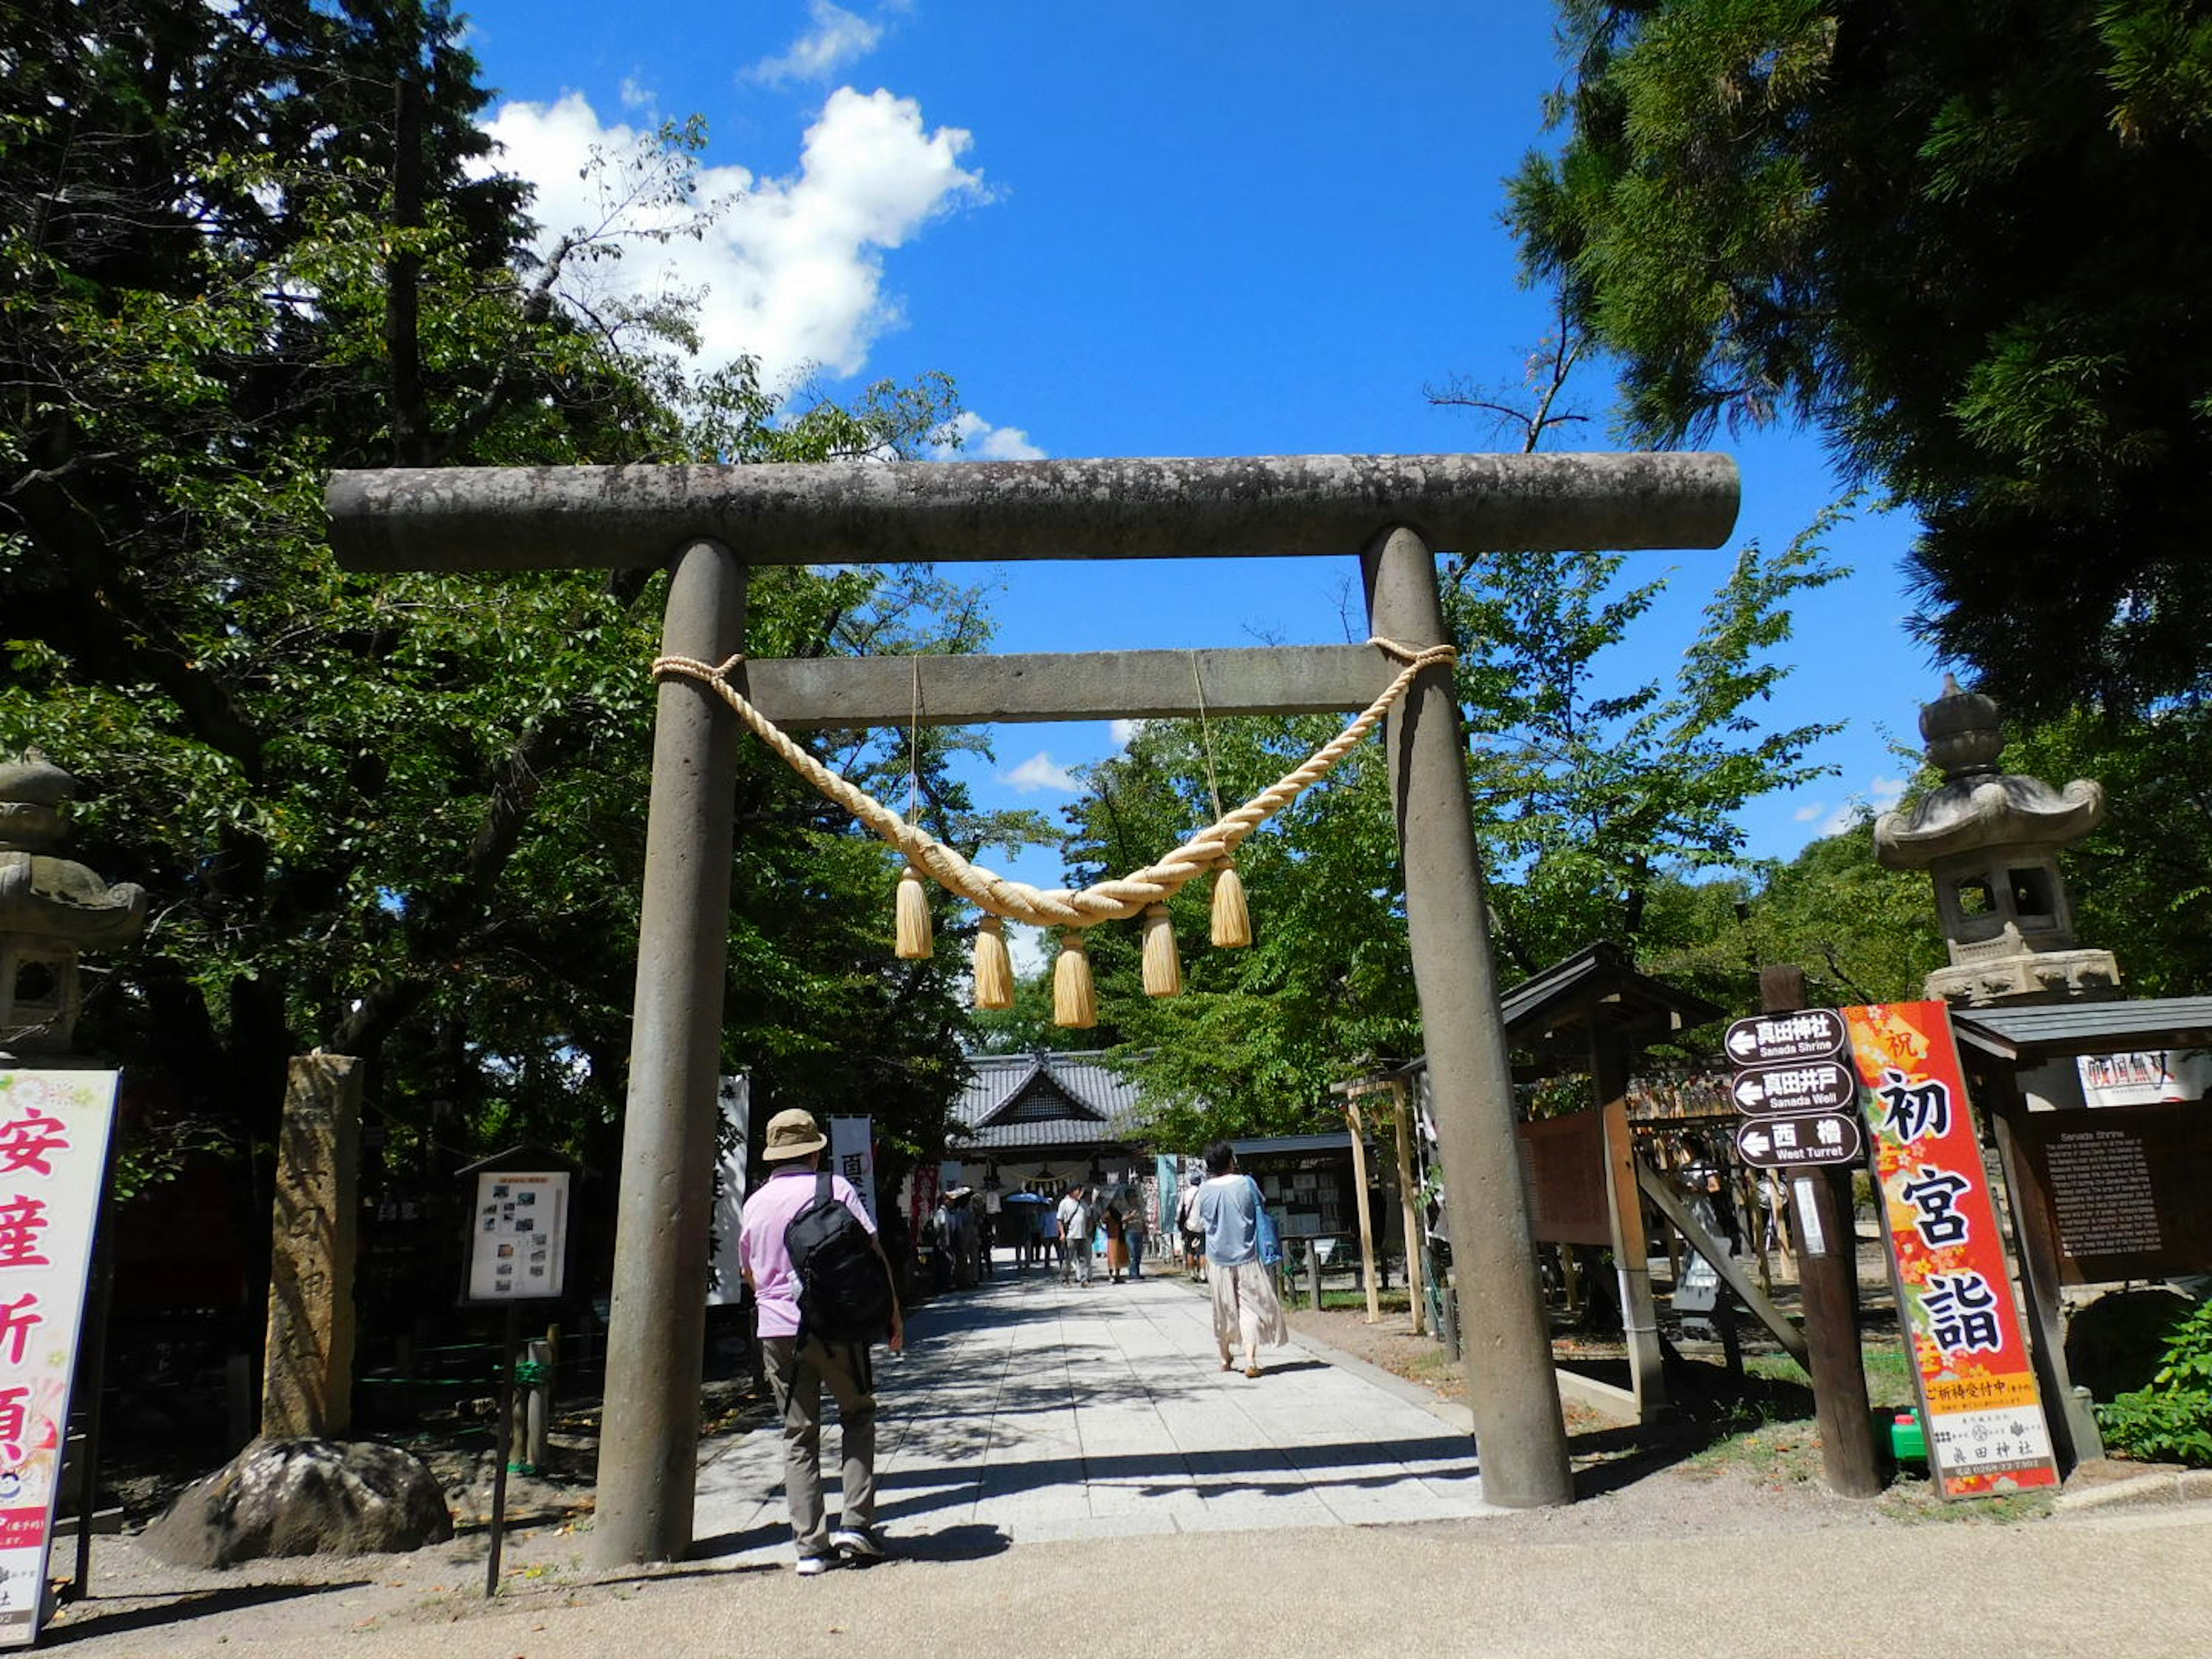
pixel 53 1152
pixel 518 1244
pixel 1986 1431
pixel 2125 1190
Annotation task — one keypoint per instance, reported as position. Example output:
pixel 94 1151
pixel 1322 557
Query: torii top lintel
pixel 902 512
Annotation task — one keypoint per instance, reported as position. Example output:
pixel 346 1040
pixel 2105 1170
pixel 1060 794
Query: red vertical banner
pixel 1986 1433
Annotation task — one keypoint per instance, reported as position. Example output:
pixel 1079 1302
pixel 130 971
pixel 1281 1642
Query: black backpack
pixel 844 1293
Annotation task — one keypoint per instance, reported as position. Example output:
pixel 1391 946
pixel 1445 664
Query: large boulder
pixel 303 1497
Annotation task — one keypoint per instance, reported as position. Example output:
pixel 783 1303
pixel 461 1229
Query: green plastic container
pixel 1908 1441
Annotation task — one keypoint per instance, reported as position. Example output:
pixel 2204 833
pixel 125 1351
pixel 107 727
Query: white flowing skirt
pixel 1246 1308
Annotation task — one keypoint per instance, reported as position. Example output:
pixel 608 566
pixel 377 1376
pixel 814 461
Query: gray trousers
pixel 797 1374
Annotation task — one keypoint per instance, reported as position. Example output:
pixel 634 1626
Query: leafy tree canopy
pixel 1970 242
pixel 1599 800
pixel 396 816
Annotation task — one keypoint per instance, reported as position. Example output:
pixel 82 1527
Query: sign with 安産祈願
pixel 518 1236
pixel 53 1156
pixel 1986 1431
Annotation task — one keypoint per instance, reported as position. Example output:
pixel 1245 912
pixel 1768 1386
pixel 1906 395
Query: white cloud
pixel 1123 732
pixel 979 441
pixel 792 271
pixel 1879 796
pixel 838 38
pixel 1810 810
pixel 637 96
pixel 1040 771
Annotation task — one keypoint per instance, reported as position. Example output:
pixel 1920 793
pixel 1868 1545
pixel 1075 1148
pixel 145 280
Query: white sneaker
pixel 813 1567
pixel 859 1545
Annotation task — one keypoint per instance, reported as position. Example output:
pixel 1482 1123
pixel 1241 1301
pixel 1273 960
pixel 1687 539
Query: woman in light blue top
pixel 1245 1304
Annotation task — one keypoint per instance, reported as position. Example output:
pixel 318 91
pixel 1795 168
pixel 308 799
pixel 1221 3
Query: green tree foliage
pixel 1598 798
pixel 1861 933
pixel 1969 242
pixel 397 817
pixel 2142 881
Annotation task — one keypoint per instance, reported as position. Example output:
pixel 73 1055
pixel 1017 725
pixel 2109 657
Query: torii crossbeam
pixel 708 524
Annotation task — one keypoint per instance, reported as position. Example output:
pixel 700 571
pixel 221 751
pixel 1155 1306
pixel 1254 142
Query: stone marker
pixel 303 1497
pixel 308 1389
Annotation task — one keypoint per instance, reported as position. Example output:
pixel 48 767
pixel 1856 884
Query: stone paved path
pixel 1028 1410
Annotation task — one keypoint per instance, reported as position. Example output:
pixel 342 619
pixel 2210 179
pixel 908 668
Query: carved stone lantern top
pixel 45 896
pixel 1990 841
pixel 1976 806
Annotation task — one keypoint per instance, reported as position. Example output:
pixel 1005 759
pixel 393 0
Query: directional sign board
pixel 1787 1039
pixel 1800 1142
pixel 1817 1085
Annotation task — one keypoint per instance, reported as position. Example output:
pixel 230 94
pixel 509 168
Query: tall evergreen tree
pixel 1970 243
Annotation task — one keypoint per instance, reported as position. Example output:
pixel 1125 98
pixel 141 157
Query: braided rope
pixel 1112 900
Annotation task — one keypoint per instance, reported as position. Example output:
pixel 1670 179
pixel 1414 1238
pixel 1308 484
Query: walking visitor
pixel 1246 1308
pixel 1075 1225
pixel 808 1308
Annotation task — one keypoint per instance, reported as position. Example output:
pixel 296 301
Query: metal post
pixel 501 1450
pixel 1510 1388
pixel 657 1325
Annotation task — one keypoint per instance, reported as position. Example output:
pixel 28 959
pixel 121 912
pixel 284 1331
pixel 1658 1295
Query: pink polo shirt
pixel 761 1250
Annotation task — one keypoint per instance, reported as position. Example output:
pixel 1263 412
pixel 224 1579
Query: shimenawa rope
pixel 1112 900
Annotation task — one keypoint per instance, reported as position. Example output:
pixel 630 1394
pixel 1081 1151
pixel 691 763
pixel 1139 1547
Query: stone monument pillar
pixel 1991 841
pixel 308 1389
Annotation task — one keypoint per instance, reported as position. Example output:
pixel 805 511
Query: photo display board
pixel 518 1236
pixel 53 1156
pixel 1984 1414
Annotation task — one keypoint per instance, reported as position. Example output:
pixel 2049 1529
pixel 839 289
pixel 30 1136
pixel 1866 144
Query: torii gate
pixel 709 523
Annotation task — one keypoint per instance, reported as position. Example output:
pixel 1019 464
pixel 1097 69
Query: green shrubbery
pixel 2171 1420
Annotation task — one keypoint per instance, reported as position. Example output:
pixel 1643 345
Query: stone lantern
pixel 50 910
pixel 1990 841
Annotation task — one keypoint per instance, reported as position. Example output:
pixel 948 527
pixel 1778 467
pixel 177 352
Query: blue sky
pixel 1218 229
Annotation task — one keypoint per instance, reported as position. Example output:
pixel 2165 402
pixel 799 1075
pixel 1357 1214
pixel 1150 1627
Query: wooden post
pixel 2073 1431
pixel 1631 1250
pixel 1409 1200
pixel 1828 1291
pixel 1354 1122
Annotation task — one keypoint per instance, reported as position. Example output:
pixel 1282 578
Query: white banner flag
pixel 852 1155
pixel 53 1154
pixel 725 1279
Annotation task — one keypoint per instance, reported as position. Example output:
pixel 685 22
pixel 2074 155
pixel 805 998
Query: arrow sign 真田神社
pixel 1819 1086
pixel 1799 1143
pixel 1786 1039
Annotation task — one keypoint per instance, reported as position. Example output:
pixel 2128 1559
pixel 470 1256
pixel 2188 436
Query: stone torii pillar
pixel 709 524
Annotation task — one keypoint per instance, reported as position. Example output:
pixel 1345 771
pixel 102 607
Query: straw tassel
pixel 914 941
pixel 1162 970
pixel 1074 1000
pixel 994 970
pixel 1232 920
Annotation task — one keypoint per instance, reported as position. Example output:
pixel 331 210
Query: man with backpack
pixel 823 1290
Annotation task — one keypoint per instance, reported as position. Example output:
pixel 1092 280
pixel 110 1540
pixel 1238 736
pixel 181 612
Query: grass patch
pixel 1888 1375
pixel 1390 1301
